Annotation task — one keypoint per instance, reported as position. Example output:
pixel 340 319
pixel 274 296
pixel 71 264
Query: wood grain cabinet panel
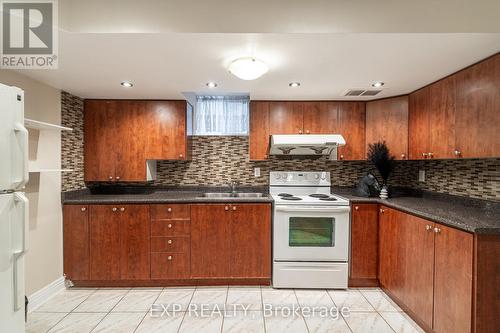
pixel 134 242
pixel 172 244
pixel 259 130
pixel 210 248
pixel 419 124
pixel 320 117
pixel 170 212
pixel 453 280
pixel 165 266
pixel 351 125
pixel 250 241
pixel 387 120
pixel 177 227
pixel 76 242
pixel 477 112
pixel 285 118
pixel 364 245
pixel 105 248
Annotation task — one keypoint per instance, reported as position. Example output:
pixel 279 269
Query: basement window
pixel 221 115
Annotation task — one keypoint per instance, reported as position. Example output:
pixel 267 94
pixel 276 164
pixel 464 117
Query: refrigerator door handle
pixel 21 202
pixel 22 132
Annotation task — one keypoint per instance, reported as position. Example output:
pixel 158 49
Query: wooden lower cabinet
pixel 76 242
pixel 364 246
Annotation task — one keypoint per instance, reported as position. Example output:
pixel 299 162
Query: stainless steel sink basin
pixel 229 195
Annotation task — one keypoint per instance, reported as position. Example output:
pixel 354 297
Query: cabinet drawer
pixel 170 227
pixel 170 244
pixel 170 266
pixel 176 211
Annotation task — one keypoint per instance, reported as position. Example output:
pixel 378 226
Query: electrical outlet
pixel 256 172
pixel 421 176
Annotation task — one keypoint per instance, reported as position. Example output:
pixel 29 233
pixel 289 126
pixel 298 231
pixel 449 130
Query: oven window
pixel 312 232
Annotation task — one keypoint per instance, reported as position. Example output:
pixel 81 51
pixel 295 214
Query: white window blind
pixel 221 115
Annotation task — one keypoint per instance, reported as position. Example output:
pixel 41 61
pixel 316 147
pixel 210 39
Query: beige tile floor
pixel 121 310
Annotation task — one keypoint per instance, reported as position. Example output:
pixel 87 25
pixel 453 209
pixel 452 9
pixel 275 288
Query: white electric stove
pixel 310 231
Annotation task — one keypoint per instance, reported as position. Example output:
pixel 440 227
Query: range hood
pixel 306 144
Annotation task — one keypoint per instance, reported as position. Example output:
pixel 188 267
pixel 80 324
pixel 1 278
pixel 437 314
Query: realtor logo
pixel 29 34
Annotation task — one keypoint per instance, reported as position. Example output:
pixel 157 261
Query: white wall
pixel 44 260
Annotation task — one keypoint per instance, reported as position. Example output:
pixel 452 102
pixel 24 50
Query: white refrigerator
pixel 13 208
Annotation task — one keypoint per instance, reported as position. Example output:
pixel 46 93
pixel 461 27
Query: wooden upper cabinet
pixel 453 272
pixel 250 241
pixel 285 118
pixel 477 112
pixel 387 120
pixel 351 125
pixel 100 141
pixel 76 242
pixel 166 127
pixel 320 117
pixel 419 124
pixel 364 245
pixel 259 130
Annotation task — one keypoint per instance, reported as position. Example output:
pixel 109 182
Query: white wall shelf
pixel 40 125
pixel 49 170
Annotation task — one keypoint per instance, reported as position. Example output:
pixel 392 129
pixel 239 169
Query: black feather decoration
pixel 379 155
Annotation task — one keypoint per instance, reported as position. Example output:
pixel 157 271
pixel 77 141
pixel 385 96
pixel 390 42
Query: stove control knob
pixel 323 175
pixel 316 176
pixel 284 176
pixel 278 176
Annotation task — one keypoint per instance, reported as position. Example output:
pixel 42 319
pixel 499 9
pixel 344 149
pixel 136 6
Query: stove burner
pixel 319 195
pixel 285 195
pixel 328 199
pixel 291 198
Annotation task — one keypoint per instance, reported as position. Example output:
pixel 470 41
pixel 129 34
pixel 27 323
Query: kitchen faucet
pixel 232 186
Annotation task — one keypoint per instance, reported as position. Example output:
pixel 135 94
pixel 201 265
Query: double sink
pixel 233 195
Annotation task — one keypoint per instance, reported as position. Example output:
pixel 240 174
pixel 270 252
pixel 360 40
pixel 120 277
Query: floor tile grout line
pixel 377 311
pixel 184 316
pixel 51 327
pixel 159 294
pixel 300 307
pixel 337 306
pixel 223 317
pixel 262 304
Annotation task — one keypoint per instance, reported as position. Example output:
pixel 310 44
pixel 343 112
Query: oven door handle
pixel 313 209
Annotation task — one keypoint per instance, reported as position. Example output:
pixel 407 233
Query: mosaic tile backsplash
pixel 218 160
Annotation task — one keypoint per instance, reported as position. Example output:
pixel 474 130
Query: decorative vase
pixel 384 193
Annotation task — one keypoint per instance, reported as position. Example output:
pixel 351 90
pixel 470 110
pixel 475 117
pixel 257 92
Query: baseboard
pixel 43 295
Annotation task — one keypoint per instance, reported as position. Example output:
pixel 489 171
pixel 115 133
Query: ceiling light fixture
pixel 377 84
pixel 294 84
pixel 127 84
pixel 211 84
pixel 248 68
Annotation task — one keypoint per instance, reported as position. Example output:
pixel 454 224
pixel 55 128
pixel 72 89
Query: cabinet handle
pixel 424 155
pixel 430 155
pixel 122 209
pixel 181 156
pixel 356 208
pixel 169 258
pixel 169 225
pixel 341 157
pixel 437 230
pixel 382 210
pixel 234 207
pixel 114 209
pixel 117 177
pixel 226 208
pixel 457 153
pixel 110 177
pixel 169 241
pixel 83 209
pixel 169 210
pixel 300 131
pixel 403 156
pixel 428 227
pixel 307 132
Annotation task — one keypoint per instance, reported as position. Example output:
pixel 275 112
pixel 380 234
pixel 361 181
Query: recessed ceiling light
pixel 211 84
pixel 377 84
pixel 127 84
pixel 248 68
pixel 294 84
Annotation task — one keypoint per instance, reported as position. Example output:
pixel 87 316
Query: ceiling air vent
pixel 361 92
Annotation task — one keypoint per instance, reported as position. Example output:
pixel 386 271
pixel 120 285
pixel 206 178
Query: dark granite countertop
pixel 473 215
pixel 138 195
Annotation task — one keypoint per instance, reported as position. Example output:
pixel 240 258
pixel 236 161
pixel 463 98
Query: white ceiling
pixel 163 65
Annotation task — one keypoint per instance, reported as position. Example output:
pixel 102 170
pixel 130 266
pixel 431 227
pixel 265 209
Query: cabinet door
pixel 477 109
pixel 135 242
pixel 285 118
pixel 442 119
pixel 364 245
pixel 166 130
pixel 250 241
pixel 100 141
pixel 259 130
pixel 417 240
pixel 76 242
pixel 104 242
pixel 130 142
pixel 320 117
pixel 210 231
pixel 453 280
pixel 390 254
pixel 387 120
pixel 351 125
pixel 419 124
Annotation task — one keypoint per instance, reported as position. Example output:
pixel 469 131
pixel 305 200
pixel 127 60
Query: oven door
pixel 311 233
